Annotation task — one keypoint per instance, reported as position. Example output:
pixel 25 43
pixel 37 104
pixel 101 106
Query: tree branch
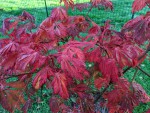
pixel 14 75
pixel 143 71
pixel 89 10
pixel 134 75
pixel 46 8
pixel 100 94
pixel 128 68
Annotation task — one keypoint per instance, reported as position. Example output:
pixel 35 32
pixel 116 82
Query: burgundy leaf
pixel 72 62
pixel 59 13
pixel 42 76
pixel 59 84
pixel 109 69
pixel 54 104
pixel 138 5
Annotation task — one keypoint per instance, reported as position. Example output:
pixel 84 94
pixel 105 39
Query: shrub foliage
pixel 75 58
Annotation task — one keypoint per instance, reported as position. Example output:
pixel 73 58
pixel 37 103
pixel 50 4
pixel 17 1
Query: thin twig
pixel 134 75
pixel 46 8
pixel 132 15
pixel 143 71
pixel 100 94
pixel 89 11
pixel 128 68
pixel 14 75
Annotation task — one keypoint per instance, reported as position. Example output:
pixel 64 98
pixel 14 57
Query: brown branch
pixel 100 94
pixel 134 75
pixel 14 75
pixel 143 71
pixel 128 68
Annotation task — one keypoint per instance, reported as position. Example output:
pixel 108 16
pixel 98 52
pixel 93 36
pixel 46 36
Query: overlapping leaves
pixel 75 69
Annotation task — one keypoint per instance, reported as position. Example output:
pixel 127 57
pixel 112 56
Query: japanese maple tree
pixel 88 68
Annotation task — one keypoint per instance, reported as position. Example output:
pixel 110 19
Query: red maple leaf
pixel 59 13
pixel 9 61
pixel 42 76
pixel 12 47
pixel 137 28
pixel 138 5
pixel 80 89
pixel 121 99
pixel 17 26
pixel 127 55
pixel 59 84
pixel 26 16
pixel 109 69
pixel 94 56
pixel 54 104
pixel 140 93
pixel 25 60
pixel 105 3
pixel 68 3
pixel 81 6
pixel 72 62
pixel 100 82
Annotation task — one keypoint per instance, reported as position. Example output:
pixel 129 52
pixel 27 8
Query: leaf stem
pixel 134 75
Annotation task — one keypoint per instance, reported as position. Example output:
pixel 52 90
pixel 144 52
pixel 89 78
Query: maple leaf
pixel 86 105
pixel 59 30
pixel 138 5
pixel 109 69
pixel 72 62
pixel 47 22
pixel 26 16
pixel 25 60
pixel 80 89
pixel 68 3
pixel 11 100
pixel 81 6
pixel 75 25
pixel 121 99
pixel 17 26
pixel 12 47
pixel 127 55
pixel 54 104
pixel 7 25
pixel 42 76
pixel 77 44
pixel 140 93
pixel 94 56
pixel 59 13
pixel 9 61
pixel 51 33
pixel 137 29
pixel 59 84
pixel 94 29
pixel 105 3
pixel 17 85
pixel 99 82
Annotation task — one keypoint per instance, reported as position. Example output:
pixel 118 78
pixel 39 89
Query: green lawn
pixel 120 15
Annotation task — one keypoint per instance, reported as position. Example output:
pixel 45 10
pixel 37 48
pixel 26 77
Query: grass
pixel 120 15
